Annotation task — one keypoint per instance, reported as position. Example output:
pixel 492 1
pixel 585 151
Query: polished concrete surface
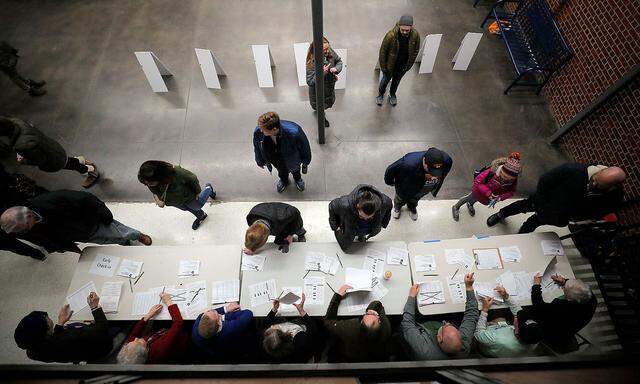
pixel 100 105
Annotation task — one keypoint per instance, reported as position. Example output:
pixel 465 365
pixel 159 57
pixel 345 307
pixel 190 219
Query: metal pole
pixel 316 13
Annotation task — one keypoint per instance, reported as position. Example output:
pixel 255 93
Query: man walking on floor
pixel 398 52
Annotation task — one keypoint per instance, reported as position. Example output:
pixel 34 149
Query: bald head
pixel 449 339
pixel 608 178
pixel 17 219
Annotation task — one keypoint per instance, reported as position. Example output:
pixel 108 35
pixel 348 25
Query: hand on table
pixel 166 299
pixel 559 279
pixel 343 289
pixel 153 312
pixel 413 291
pixel 65 314
pixel 300 307
pixel 502 292
pixel 93 300
pixel 537 279
pixel 275 305
pixel 487 302
pixel 232 307
pixel 468 281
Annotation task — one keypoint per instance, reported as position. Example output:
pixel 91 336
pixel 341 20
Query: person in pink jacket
pixel 496 183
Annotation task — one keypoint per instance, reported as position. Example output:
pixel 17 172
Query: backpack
pixel 487 178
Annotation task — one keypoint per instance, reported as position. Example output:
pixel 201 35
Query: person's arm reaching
pixel 471 314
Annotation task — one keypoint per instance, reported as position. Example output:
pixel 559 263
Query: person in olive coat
pixel 175 186
pixel 332 66
pixel 33 147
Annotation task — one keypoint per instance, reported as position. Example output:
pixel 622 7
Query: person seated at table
pixel 562 318
pixel 289 340
pixel 360 214
pixel 226 334
pixel 358 339
pixel 62 343
pixel 273 219
pixel 569 192
pixel 57 220
pixel 436 340
pixel 499 339
pixel 160 346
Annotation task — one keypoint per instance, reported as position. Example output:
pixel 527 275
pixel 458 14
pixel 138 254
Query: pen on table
pixel 431 274
pixel 130 285
pixel 454 273
pixel 330 287
pixel 160 301
pixel 139 276
pixel 194 296
pixel 340 261
pixel 305 275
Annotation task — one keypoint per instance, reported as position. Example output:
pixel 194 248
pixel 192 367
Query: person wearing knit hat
pixel 494 183
pixel 398 52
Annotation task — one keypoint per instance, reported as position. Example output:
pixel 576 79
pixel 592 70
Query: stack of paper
pixel 486 289
pixel 130 268
pixel 425 263
pixel 110 296
pixel 253 262
pixel 288 297
pixel 318 261
pixel 359 301
pixel 189 268
pixel 488 258
pixel 358 279
pixel 78 299
pixel 524 282
pixel 314 290
pixel 197 298
pixel 397 256
pixel 552 247
pixel 104 265
pixel 508 281
pixel 142 302
pixel 373 264
pixel 459 256
pixel 263 292
pixel 511 254
pixel 431 292
pixel 457 289
pixel 225 291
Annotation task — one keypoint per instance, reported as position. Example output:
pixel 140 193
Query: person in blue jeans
pixel 177 187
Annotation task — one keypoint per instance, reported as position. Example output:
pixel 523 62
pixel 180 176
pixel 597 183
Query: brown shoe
pixel 145 239
pixel 92 175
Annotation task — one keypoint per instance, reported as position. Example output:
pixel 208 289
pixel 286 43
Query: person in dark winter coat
pixel 569 192
pixel 332 66
pixel 282 144
pixel 358 339
pixel 35 148
pixel 65 344
pixel 57 220
pixel 273 219
pixel 177 187
pixel 398 52
pixel 293 340
pixel 415 175
pixel 8 63
pixel 563 317
pixel 360 214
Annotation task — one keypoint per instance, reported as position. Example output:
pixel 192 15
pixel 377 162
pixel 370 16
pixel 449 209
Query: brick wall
pixel 605 37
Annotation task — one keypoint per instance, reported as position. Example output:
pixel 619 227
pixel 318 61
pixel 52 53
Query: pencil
pixel 334 291
pixel 130 285
pixel 340 261
pixel 139 276
pixel 454 273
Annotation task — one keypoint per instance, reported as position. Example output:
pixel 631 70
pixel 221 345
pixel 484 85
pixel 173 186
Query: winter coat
pixel 562 195
pixel 344 213
pixel 349 343
pixel 235 343
pixel 36 148
pixel 407 175
pixel 293 147
pixel 487 183
pixel 183 189
pixel 284 219
pixel 305 343
pixel 390 46
pixel 329 80
pixel 67 217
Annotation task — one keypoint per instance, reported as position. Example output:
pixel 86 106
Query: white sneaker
pixel 413 215
pixel 396 214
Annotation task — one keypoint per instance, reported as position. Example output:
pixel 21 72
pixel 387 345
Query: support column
pixel 316 12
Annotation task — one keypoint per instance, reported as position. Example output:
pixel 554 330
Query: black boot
pixel 326 123
pixel 37 84
pixel 35 92
pixel 494 219
pixel 198 221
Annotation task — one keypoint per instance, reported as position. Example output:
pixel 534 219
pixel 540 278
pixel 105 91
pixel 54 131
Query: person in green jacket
pixel 398 52
pixel 177 187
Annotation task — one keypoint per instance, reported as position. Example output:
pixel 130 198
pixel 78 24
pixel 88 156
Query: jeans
pixel 73 164
pixel 114 233
pixel 394 77
pixel 195 206
pixel 18 80
pixel 412 204
pixel 469 199
pixel 283 174
pixel 522 206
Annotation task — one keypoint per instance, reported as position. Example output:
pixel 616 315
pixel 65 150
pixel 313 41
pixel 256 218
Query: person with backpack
pixel 493 183
pixel 8 62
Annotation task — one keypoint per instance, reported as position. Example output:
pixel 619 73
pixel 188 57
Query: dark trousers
pixel 73 164
pixel 394 77
pixel 13 74
pixel 283 173
pixel 282 238
pixel 522 206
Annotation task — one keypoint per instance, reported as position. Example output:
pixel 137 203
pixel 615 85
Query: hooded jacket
pixel 390 46
pixel 343 212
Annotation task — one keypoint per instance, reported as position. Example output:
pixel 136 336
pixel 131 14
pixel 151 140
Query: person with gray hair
pixel 562 318
pixel 161 346
pixel 57 220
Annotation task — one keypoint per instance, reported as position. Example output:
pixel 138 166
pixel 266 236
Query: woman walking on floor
pixel 332 65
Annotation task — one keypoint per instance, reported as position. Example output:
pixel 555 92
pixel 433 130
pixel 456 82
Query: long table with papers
pixel 130 279
pixel 319 268
pixel 508 260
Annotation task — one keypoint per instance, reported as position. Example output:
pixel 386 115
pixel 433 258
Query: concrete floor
pixel 100 105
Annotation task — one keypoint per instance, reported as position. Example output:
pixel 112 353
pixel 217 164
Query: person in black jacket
pixel 292 340
pixel 362 214
pixel 57 220
pixel 33 147
pixel 8 62
pixel 415 175
pixel 563 317
pixel 569 192
pixel 65 344
pixel 276 219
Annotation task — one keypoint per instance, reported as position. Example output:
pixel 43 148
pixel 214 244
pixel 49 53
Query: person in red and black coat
pixel 159 347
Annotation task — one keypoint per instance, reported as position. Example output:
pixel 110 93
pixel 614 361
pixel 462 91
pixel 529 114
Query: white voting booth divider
pixel 429 53
pixel 154 70
pixel 264 63
pixel 210 67
pixel 300 51
pixel 466 51
pixel 342 76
